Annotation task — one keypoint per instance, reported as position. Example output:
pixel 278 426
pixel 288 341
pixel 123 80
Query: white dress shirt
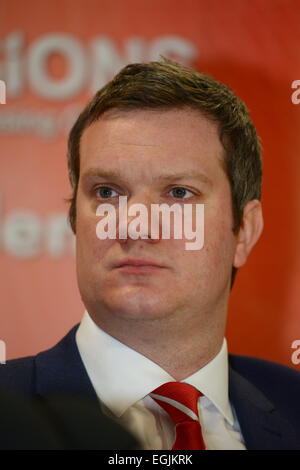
pixel 124 378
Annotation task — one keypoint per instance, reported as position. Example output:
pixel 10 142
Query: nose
pixel 134 220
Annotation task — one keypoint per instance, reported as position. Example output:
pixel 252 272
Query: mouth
pixel 138 266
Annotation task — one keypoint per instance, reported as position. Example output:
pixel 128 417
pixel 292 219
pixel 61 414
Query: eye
pixel 180 193
pixel 105 192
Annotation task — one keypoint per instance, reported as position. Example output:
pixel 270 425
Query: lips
pixel 137 265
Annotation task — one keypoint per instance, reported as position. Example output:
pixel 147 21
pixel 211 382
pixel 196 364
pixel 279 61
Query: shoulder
pixel 263 370
pixel 20 374
pixel 281 384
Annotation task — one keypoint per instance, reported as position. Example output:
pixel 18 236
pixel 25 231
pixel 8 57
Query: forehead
pixel 169 138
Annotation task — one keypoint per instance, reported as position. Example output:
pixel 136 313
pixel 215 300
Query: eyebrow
pixel 189 175
pixel 170 177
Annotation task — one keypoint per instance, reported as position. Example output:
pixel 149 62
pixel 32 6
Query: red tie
pixel 180 401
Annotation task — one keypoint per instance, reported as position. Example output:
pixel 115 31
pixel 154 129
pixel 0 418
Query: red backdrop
pixel 53 56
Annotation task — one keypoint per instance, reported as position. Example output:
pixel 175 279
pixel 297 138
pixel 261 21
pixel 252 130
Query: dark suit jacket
pixel 265 395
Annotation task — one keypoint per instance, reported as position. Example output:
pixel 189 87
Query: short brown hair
pixel 168 85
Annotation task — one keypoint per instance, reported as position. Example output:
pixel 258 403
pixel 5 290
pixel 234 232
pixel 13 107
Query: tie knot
pixel 179 400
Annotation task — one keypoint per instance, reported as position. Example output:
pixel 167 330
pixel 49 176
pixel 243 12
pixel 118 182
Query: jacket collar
pixel 262 426
pixel 60 370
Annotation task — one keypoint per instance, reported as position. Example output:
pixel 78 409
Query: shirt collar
pixel 122 376
pixel 212 381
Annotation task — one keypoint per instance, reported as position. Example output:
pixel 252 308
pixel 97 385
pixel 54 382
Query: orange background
pixel 251 45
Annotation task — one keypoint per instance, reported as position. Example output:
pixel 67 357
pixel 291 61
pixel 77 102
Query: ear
pixel 249 233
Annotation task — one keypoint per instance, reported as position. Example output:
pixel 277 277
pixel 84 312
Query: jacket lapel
pixel 262 426
pixel 60 370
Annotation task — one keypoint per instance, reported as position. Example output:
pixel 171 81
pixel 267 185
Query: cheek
pixel 219 245
pixel 214 261
pixel 89 248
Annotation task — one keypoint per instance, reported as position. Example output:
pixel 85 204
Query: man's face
pixel 153 157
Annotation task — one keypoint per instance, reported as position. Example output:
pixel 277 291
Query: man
pixel 151 343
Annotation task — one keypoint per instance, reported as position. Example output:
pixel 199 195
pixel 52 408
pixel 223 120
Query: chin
pixel 137 305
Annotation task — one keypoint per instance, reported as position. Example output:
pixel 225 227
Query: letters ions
pixel 22 65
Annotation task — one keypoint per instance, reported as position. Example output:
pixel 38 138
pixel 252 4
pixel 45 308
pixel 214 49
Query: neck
pixel 179 347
